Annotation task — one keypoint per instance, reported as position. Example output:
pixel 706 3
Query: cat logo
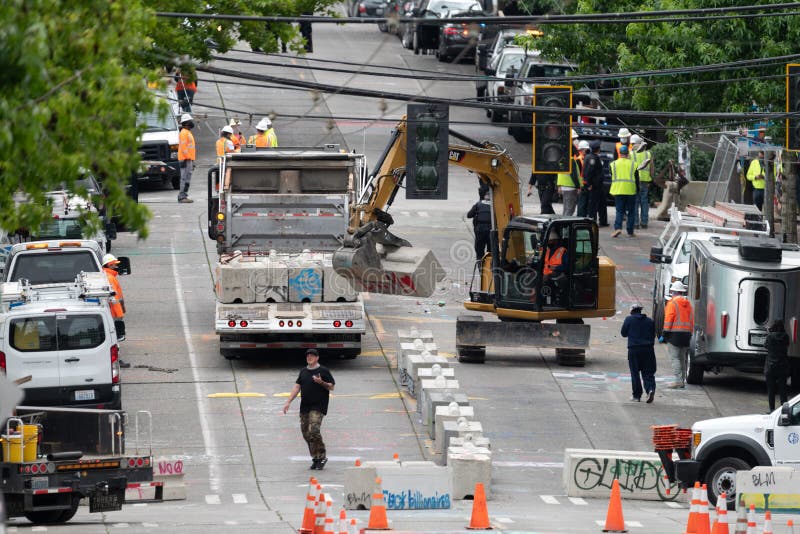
pixel 456 155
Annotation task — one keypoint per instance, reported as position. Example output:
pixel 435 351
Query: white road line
pixel 231 523
pixel 629 524
pixel 549 499
pixel 673 504
pixel 504 520
pixel 203 407
pixel 578 501
pixel 39 529
pixel 150 525
pixel 422 213
pixel 120 525
pixel 239 498
pixel 213 499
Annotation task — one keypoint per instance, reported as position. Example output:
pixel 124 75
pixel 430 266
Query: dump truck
pixel 276 216
pixel 511 282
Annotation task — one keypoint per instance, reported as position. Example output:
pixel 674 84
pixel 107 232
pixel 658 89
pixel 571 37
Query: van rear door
pixel 84 353
pixel 760 303
pixel 32 350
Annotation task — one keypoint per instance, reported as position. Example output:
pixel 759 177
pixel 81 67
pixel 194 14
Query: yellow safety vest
pixel 644 173
pixel 565 178
pixel 753 171
pixel 623 181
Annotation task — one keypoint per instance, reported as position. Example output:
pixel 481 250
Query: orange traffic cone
pixel 767 522
pixel 311 502
pixel 741 520
pixel 328 527
pixel 377 512
pixel 702 525
pixel 751 520
pixel 353 527
pixel 614 520
pixel 319 513
pixel 790 527
pixel 480 515
pixel 721 521
pixel 694 508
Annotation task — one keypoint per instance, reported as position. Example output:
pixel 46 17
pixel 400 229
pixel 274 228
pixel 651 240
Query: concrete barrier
pixel 415 333
pixel 459 428
pixel 412 485
pixel 415 362
pixel 429 373
pixel 451 412
pixel 590 473
pixel 435 399
pixel 469 465
pixel 769 488
pixel 478 441
pixel 416 348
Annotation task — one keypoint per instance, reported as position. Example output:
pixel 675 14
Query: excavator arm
pixel 376 260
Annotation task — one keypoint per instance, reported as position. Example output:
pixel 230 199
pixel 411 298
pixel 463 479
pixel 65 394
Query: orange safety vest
pixel 186 149
pixel 238 141
pixel 678 318
pixel 223 147
pixel 619 144
pixel 551 262
pixel 117 302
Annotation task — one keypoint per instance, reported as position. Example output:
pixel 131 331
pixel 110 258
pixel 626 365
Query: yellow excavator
pixel 516 283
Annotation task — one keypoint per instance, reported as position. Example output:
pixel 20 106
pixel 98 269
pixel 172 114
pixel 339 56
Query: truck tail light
pixel 115 364
pixel 3 362
pixel 281 324
pixel 291 323
pixel 299 324
pixel 336 324
pixel 231 323
pixel 348 323
pixel 724 319
pixel 243 324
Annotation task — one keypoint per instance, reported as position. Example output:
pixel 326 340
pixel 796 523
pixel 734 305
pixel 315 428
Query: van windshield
pixel 53 268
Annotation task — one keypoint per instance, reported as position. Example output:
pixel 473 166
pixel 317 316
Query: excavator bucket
pixel 473 332
pixel 373 266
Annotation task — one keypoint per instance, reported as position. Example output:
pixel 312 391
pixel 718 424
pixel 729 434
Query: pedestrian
pixel 481 215
pixel 624 186
pixel 546 187
pixel 186 87
pixel 677 332
pixel 643 159
pixel 776 366
pixel 624 140
pixel 186 157
pixel 755 176
pixel 569 183
pixel 314 384
pixel 224 143
pixel 238 138
pixel 265 135
pixel 641 333
pixel 584 149
pixel 117 301
pixel 593 177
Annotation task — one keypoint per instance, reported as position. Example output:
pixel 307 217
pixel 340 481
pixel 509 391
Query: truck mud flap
pixel 478 333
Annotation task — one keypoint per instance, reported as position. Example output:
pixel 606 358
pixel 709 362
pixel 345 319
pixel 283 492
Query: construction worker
pixel 238 138
pixel 224 143
pixel 643 159
pixel 117 301
pixel 186 87
pixel 569 183
pixel 186 157
pixel 584 149
pixel 677 333
pixel 481 215
pixel 265 135
pixel 624 139
pixel 755 175
pixel 624 186
pixel 555 256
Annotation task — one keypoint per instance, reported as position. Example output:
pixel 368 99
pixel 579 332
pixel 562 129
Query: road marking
pixel 203 406
pixel 405 213
pixel 422 213
pixel 120 525
pixel 239 498
pixel 673 504
pixel 39 529
pixel 578 501
pixel 150 525
pixel 378 325
pixel 213 499
pixel 232 395
pixel 549 499
pixel 416 319
pixel 507 520
pixel 629 524
pixel 231 523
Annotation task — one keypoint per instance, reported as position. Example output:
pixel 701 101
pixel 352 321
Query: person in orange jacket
pixel 677 333
pixel 117 301
pixel 186 157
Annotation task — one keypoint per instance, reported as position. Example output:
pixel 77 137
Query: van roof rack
pixel 86 287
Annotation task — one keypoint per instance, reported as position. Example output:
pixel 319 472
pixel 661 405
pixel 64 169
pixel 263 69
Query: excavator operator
pixel 555 256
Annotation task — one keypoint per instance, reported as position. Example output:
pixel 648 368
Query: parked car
pixel 486 49
pixel 510 59
pixel 425 37
pixel 405 30
pixel 457 40
pixel 374 8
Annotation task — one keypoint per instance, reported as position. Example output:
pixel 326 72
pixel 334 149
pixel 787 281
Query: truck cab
pixel 159 143
pixel 722 446
pixel 55 261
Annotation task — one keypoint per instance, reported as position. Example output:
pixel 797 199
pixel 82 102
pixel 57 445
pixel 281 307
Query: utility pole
pixel 789 200
pixel 769 190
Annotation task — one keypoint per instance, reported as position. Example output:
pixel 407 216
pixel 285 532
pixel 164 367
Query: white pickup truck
pixel 722 446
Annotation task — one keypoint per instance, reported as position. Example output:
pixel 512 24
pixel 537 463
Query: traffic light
pixel 426 163
pixel 552 142
pixel 793 106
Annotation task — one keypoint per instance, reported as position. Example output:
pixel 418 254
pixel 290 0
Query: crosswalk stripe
pixel 548 499
pixel 239 498
pixel 578 501
pixel 213 499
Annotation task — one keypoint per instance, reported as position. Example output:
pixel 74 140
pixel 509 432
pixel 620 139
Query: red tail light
pixel 281 324
pixel 451 31
pixel 299 323
pixel 3 362
pixel 231 323
pixel 115 364
pixel 348 323
pixel 131 462
pixel 336 324
pixel 291 323
pixel 243 324
pixel 724 318
pixel 35 468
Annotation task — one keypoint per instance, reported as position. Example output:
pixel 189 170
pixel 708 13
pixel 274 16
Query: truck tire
pixel 721 477
pixel 47 517
pixel 66 515
pixel 694 372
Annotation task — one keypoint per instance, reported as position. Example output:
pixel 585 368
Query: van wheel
pixel 694 373
pixel 721 477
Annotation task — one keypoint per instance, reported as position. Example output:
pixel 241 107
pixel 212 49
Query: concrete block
pixel 249 279
pixel 769 488
pixel 459 428
pixel 436 398
pixel 169 471
pixel 468 466
pixel 359 483
pixel 451 412
pixel 335 286
pixel 438 384
pixel 305 282
pixel 428 373
pixel 590 473
pixel 412 485
pixel 413 357
pixel 478 441
pixel 410 334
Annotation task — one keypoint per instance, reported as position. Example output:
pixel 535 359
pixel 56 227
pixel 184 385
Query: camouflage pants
pixel 310 424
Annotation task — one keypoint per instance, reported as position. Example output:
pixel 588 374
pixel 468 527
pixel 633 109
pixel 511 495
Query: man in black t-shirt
pixel 314 384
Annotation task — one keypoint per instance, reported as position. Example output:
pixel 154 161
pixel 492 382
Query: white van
pixel 63 338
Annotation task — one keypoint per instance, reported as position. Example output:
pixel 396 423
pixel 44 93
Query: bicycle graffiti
pixel 633 476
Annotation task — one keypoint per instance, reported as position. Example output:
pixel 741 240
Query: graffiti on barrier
pixel 168 467
pixel 415 500
pixel 633 475
pixel 357 500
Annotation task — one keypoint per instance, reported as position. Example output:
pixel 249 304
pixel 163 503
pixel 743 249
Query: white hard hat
pixel 635 307
pixel 584 145
pixel 574 133
pixel 186 118
pixel 636 139
pixel 264 124
pixel 624 132
pixel 109 258
pixel 677 286
pixel 235 122
pixel 227 129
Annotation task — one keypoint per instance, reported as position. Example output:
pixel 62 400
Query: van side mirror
pixel 124 265
pixel 785 419
pixel 510 75
pixel 111 231
pixel 657 255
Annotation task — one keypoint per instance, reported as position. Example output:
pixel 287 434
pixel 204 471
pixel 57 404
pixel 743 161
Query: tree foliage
pixel 74 74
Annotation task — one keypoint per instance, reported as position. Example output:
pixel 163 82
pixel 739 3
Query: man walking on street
pixel 186 157
pixel 481 215
pixel 624 186
pixel 678 324
pixel 641 333
pixel 314 384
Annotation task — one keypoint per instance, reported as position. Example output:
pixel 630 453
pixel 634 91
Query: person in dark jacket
pixel 641 333
pixel 481 215
pixel 776 366
pixel 593 178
